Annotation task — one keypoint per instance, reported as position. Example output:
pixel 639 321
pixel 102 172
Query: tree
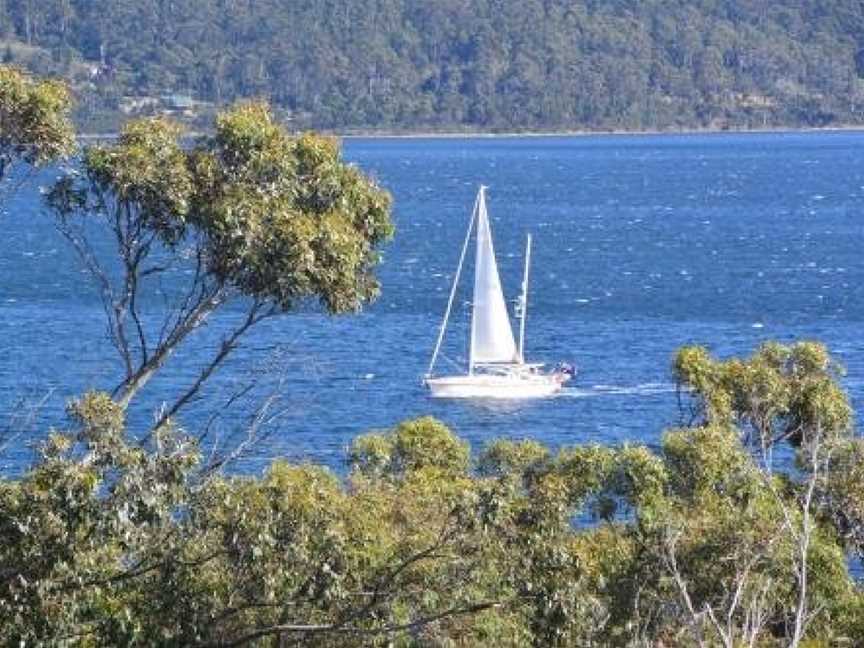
pixel 107 542
pixel 466 64
pixel 34 121
pixel 781 394
pixel 262 220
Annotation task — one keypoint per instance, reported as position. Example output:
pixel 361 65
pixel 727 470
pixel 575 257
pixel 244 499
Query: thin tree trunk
pixel 225 348
pixel 130 388
pixel 801 612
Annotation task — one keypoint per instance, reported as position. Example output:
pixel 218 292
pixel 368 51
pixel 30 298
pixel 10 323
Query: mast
pixel 455 284
pixel 523 314
pixel 481 227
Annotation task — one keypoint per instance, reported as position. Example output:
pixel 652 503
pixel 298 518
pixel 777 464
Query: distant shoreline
pixel 590 133
pixel 372 134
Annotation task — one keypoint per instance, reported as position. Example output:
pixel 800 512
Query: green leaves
pixel 411 446
pixel 97 415
pixel 402 65
pixel 285 218
pixel 125 544
pixel 842 492
pixel 250 214
pixel 519 459
pixel 706 459
pixel 34 120
pixel 779 394
pixel 281 219
pixel 146 173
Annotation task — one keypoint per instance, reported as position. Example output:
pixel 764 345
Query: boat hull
pixel 493 386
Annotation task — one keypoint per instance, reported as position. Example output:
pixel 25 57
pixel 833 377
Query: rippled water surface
pixel 641 244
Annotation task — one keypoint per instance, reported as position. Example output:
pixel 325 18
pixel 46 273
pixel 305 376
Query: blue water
pixel 641 244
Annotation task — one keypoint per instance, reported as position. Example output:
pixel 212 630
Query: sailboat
pixel 496 366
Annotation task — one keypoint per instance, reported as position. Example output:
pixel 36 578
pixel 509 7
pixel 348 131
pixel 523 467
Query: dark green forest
pixel 493 65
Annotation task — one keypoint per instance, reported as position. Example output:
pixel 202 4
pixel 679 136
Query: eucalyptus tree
pixel 251 216
pixel 35 128
pixel 786 396
pixel 781 394
pixel 107 542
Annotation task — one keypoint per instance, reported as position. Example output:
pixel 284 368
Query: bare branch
pixel 803 616
pixel 88 258
pixel 23 422
pixel 256 314
pixel 389 629
pixel 671 560
pixel 260 419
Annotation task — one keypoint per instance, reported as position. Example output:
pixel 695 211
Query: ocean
pixel 642 243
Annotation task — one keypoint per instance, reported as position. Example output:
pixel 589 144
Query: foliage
pixel 285 218
pixel 421 443
pixel 106 542
pixel 476 64
pixel 145 171
pixel 249 216
pixel 123 536
pixel 781 393
pixel 34 120
pixel 842 493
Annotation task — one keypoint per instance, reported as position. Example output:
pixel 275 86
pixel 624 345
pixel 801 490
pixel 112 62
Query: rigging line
pixel 451 361
pixel 455 285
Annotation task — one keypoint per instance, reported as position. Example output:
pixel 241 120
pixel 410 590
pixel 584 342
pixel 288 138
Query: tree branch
pixel 367 632
pixel 129 388
pixel 228 344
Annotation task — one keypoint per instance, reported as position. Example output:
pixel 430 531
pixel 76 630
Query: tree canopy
pixel 119 535
pixel 107 542
pixel 35 126
pixel 696 543
pixel 249 215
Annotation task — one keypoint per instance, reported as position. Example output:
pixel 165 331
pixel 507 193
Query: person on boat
pixel 565 370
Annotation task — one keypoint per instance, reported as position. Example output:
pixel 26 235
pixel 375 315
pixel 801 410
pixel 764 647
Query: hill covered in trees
pixel 454 64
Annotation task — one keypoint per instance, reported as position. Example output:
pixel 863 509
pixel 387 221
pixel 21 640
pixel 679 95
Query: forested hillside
pixel 454 64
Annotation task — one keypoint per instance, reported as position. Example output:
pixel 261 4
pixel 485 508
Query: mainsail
pixel 491 335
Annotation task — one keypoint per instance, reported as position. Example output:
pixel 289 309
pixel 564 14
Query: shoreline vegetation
pixel 704 541
pixel 131 529
pixel 577 133
pixel 583 133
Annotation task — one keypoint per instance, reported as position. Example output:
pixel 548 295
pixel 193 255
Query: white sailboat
pixel 496 367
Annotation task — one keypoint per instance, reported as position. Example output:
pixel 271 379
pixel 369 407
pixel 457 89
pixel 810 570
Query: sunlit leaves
pixel 781 393
pixel 34 120
pixel 412 445
pixel 146 173
pixel 707 459
pixel 588 546
pixel 285 217
pixel 282 219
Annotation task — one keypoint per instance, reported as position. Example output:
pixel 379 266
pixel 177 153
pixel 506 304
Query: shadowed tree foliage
pixel 109 543
pixel 35 128
pixel 841 494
